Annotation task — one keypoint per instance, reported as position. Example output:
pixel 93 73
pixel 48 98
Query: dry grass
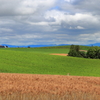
pixel 48 87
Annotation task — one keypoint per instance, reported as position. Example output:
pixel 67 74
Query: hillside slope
pixel 41 63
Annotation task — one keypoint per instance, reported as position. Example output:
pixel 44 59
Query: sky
pixel 44 22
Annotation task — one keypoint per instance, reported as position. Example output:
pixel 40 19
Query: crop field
pixel 42 76
pixel 48 87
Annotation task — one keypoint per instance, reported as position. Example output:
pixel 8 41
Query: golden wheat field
pixel 48 87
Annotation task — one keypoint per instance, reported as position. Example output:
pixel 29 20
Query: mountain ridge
pixel 34 46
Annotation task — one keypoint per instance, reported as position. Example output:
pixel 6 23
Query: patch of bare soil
pixel 53 84
pixel 59 54
pixel 84 50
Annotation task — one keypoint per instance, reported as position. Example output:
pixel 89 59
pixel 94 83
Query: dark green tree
pixel 74 51
pixel 82 54
pixel 72 47
pixel 77 48
pixel 98 54
pixel 93 52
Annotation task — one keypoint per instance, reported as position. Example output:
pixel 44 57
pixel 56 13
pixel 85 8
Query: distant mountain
pixel 14 46
pixel 47 45
pixel 95 44
pixel 42 45
pixel 9 45
pixel 63 44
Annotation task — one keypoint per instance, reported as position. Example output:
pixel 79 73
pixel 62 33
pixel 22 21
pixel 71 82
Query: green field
pixel 65 47
pixel 40 50
pixel 38 61
pixel 54 49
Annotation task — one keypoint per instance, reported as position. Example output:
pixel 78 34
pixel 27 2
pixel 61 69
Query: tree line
pixel 92 52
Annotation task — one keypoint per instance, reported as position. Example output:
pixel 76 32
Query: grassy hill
pixel 53 49
pixel 38 61
pixel 66 47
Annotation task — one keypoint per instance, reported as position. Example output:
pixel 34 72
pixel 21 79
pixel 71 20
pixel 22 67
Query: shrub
pixel 82 54
pixel 74 51
pixel 77 48
pixel 93 52
pixel 98 53
pixel 72 47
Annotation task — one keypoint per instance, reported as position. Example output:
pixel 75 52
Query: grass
pixel 66 47
pixel 40 50
pixel 15 60
pixel 54 49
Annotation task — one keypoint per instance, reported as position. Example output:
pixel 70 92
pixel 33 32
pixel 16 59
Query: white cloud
pixel 38 23
pixel 92 36
pixel 79 27
pixel 68 0
pixel 5 30
pixel 78 20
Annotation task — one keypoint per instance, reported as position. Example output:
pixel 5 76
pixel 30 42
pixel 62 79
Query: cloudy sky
pixel 26 22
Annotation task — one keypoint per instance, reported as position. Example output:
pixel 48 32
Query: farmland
pixel 39 62
pixel 40 50
pixel 48 87
pixel 45 77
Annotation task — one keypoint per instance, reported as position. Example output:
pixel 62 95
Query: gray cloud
pixel 49 21
pixel 24 7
